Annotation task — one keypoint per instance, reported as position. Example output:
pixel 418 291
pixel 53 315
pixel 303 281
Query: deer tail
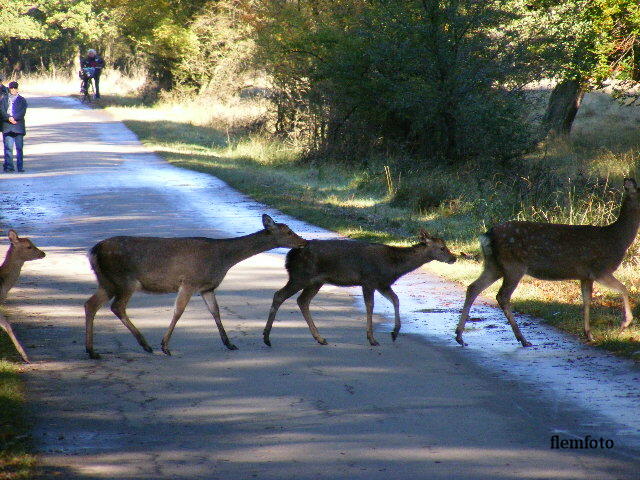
pixel 94 259
pixel 485 245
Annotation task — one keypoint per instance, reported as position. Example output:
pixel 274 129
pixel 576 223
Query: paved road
pixel 405 410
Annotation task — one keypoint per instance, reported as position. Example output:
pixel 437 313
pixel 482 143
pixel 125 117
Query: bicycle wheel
pixel 84 90
pixel 91 92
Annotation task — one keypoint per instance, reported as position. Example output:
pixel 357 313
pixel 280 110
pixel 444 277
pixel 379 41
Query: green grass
pixel 373 199
pixel 16 458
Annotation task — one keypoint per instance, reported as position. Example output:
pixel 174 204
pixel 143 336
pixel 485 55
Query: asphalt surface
pixel 412 409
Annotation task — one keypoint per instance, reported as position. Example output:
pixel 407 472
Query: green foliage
pixel 221 57
pixel 51 33
pixel 598 39
pixel 159 31
pixel 17 21
pixel 440 79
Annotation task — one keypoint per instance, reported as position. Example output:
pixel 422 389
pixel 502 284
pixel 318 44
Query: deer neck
pixel 241 248
pixel 409 260
pixel 626 225
pixel 9 273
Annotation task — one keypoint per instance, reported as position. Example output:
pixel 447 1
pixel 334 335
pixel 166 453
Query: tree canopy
pixel 437 78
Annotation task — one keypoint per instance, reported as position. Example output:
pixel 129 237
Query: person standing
pixel 93 60
pixel 13 108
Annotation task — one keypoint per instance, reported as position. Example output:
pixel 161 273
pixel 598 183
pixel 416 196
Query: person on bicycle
pixel 91 67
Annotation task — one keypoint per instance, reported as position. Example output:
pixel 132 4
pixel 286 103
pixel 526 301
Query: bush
pixel 438 79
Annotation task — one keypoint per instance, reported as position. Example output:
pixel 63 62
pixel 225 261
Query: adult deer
pixel 20 250
pixel 349 263
pixel 556 252
pixel 162 265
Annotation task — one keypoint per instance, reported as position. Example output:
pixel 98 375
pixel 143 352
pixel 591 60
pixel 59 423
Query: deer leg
pixel 91 306
pixel 368 302
pixel 182 299
pixel 488 276
pixel 586 287
pixel 212 304
pixel 279 297
pixel 615 284
pixel 509 284
pixel 118 307
pixel 303 302
pixel 4 324
pixel 390 295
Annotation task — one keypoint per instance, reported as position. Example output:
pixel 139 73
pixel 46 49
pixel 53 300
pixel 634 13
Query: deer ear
pixel 268 222
pixel 424 235
pixel 630 184
pixel 13 236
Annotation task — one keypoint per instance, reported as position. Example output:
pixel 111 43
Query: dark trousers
pixel 96 83
pixel 10 140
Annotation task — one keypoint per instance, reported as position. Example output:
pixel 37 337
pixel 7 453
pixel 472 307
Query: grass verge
pixel 17 461
pixel 371 200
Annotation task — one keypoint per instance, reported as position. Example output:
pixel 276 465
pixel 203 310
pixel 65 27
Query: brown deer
pixel 20 250
pixel 162 265
pixel 556 252
pixel 344 263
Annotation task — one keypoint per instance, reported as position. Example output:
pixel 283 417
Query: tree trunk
pixel 635 70
pixel 562 108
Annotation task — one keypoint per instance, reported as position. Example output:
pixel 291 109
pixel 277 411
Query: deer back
pixel 555 251
pixel 347 262
pixel 155 264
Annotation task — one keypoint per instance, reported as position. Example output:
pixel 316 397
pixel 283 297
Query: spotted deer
pixel 21 250
pixel 184 265
pixel 371 266
pixel 549 251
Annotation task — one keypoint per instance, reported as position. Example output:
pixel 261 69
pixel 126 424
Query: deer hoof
pixel 374 343
pixel 459 340
pixel 267 342
pixel 93 355
pixel 526 344
pixel 394 335
pixel 147 348
pixel 166 350
pixel 231 346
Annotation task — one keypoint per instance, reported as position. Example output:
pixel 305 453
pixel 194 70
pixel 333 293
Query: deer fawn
pixel 556 252
pixel 21 250
pixel 161 265
pixel 349 263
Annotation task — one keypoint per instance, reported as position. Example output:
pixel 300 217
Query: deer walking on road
pixel 185 265
pixel 21 250
pixel 556 252
pixel 350 263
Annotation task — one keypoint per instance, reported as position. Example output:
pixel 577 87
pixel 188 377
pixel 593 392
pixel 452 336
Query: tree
pixel 440 78
pixel 159 30
pixel 597 40
pixel 221 58
pixel 51 32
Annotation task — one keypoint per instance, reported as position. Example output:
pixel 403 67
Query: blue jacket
pixel 19 111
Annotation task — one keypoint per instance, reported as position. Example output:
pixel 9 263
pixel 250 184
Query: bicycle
pixel 87 90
